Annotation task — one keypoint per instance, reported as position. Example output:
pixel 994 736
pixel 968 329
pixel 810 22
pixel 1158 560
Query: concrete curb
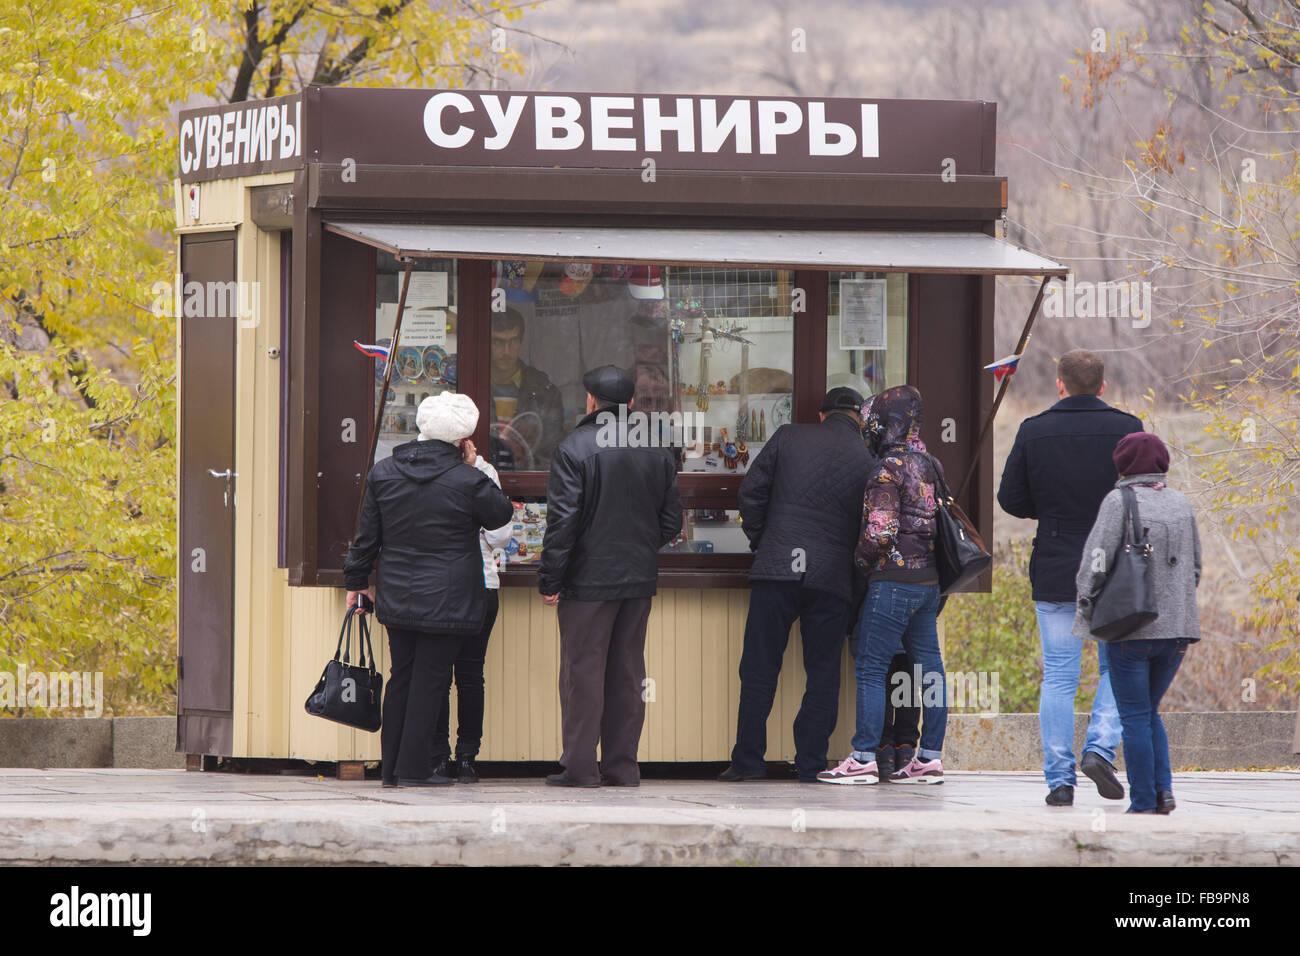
pixel 525 835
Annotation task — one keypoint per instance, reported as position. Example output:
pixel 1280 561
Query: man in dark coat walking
pixel 1059 470
pixel 801 509
pixel 610 506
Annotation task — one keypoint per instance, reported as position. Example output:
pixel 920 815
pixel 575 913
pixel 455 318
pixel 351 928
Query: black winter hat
pixel 611 384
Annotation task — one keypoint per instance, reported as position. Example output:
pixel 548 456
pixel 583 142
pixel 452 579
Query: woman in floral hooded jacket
pixel 896 549
pixel 898 508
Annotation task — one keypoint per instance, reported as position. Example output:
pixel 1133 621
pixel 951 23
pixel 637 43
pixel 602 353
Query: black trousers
pixel 468 674
pixel 602 675
pixel 823 623
pixel 417 688
pixel 902 724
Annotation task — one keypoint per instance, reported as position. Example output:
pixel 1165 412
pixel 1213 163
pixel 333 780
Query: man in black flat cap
pixel 801 509
pixel 610 507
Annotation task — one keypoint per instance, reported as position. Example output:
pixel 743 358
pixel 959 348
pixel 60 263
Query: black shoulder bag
pixel 1127 599
pixel 350 693
pixel 959 553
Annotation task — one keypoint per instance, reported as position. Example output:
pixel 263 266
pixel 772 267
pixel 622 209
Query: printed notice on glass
pixel 428 290
pixel 862 314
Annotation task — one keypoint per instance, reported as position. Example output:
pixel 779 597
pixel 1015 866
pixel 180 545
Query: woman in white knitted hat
pixel 420 521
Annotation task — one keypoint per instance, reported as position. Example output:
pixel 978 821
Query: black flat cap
pixel 609 383
pixel 843 397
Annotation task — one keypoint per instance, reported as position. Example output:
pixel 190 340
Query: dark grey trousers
pixel 602 668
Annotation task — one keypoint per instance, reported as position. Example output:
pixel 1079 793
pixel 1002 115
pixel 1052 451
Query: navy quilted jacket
pixel 801 504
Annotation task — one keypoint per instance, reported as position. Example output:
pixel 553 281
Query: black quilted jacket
pixel 420 519
pixel 801 505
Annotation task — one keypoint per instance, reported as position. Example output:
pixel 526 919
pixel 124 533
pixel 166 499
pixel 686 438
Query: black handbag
pixel 959 553
pixel 1127 599
pixel 350 693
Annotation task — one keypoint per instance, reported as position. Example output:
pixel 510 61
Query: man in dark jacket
pixel 1059 470
pixel 610 507
pixel 527 413
pixel 800 508
pixel 420 520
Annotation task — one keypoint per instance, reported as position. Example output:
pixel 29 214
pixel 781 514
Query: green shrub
pixel 998 632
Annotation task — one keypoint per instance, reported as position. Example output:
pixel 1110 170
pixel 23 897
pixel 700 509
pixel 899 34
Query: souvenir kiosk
pixel 743 254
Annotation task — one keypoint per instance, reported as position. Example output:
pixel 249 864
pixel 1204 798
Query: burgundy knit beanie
pixel 1141 453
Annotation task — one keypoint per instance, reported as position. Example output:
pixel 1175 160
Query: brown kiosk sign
pixel 584 131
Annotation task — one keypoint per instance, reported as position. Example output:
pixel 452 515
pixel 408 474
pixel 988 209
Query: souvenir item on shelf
pixel 782 411
pixel 753 424
pixel 728 450
pixel 762 424
pixel 449 370
pixel 410 364
pixel 742 454
pixel 706 349
pixel 433 358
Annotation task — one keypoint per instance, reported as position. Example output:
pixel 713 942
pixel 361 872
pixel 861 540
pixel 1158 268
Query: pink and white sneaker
pixel 919 771
pixel 851 772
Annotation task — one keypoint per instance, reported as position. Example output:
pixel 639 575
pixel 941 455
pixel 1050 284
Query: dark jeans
pixel 468 672
pixel 823 619
pixel 902 724
pixel 1140 673
pixel 417 687
pixel 894 611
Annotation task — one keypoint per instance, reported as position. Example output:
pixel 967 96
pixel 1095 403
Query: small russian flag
pixel 374 351
pixel 1003 367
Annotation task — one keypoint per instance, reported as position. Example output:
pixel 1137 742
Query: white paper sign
pixel 421 327
pixel 862 314
pixel 428 290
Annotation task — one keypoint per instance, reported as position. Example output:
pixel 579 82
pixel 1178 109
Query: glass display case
pixel 426 359
pixel 712 351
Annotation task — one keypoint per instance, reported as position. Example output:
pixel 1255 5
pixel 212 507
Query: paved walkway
pixel 168 816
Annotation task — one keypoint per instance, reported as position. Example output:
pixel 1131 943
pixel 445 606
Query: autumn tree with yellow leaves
pixel 88 97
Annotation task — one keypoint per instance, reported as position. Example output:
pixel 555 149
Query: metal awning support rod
pixel 383 395
pixel 1006 382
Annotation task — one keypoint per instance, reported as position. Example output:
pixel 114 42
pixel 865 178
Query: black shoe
pixel 1131 810
pixel 732 775
pixel 465 771
pixel 1062 796
pixel 390 781
pixel 560 780
pixel 611 782
pixel 445 768
pixel 885 761
pixel 1165 802
pixel 1100 772
pixel 434 781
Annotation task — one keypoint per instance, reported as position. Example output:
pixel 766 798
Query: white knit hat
pixel 447 416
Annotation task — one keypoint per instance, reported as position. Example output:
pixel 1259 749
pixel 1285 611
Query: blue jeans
pixel 1140 673
pixel 1062 657
pixel 892 612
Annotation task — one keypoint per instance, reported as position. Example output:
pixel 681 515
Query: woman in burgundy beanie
pixel 1141 453
pixel 1142 663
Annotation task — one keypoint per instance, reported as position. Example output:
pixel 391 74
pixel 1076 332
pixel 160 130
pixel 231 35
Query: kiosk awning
pixel 967 253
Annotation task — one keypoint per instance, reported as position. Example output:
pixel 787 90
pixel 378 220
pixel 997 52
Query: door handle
pixel 228 474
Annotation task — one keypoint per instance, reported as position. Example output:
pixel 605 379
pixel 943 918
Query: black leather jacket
pixel 421 518
pixel 608 512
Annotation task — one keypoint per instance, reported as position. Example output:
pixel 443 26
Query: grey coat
pixel 1175 559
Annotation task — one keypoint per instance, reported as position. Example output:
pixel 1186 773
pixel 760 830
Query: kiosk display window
pixel 426 359
pixel 712 350
pixel 866 331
